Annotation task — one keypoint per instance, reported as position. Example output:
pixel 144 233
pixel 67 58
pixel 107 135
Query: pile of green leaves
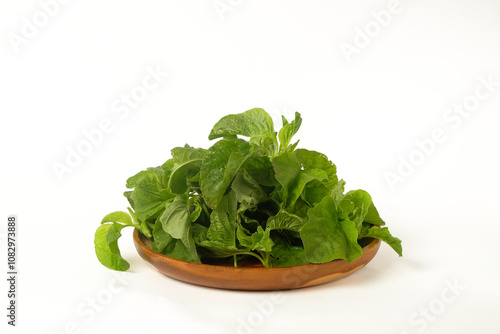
pixel 261 198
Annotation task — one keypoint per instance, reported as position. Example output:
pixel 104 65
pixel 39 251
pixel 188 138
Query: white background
pixel 365 111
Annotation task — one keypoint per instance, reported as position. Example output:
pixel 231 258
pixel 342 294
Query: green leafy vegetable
pixel 106 246
pixel 384 235
pixel 252 194
pixel 220 166
pixel 288 131
pixel 186 164
pixel 254 123
pixel 150 193
pixel 327 237
pixel 176 221
pixel 284 254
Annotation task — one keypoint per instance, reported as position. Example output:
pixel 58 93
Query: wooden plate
pixel 252 276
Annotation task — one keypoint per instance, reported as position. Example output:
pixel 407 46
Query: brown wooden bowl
pixel 252 276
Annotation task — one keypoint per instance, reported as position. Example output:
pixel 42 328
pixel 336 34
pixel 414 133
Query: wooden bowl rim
pixel 138 236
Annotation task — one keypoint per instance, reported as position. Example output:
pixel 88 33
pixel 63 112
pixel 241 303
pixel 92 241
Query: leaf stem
pixel 258 257
pixel 205 209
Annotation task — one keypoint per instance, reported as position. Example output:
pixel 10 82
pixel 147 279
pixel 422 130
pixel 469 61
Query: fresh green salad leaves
pixel 252 194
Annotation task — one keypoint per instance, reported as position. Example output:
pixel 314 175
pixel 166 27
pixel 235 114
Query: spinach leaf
pixel 326 237
pixel 106 246
pixel 285 221
pixel 373 217
pixel 219 167
pixel 195 203
pixel 107 235
pixel 251 123
pixel 219 249
pixel 287 131
pixel 293 177
pixel 186 153
pixel 176 221
pixel 383 234
pixel 160 238
pixel 260 169
pixel 344 208
pixel 152 173
pixel 255 124
pixel 362 210
pixel 247 190
pixel 315 160
pixel 150 193
pixel 287 169
pixel 178 250
pixel 119 217
pixel 223 221
pixel 261 241
pixel 317 189
pixel 186 163
pixel 338 191
pixel 284 254
pixel 222 237
pixel 244 236
pixel 361 201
